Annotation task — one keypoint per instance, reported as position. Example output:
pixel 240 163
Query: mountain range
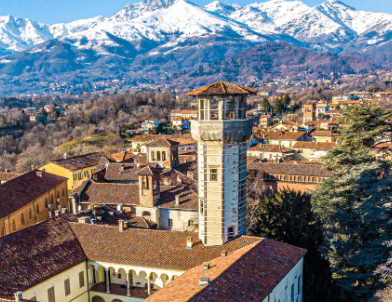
pixel 151 41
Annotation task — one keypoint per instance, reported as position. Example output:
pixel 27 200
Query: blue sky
pixel 57 11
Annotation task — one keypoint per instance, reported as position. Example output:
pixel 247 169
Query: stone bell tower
pixel 221 131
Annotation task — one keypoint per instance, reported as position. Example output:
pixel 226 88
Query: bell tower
pixel 221 132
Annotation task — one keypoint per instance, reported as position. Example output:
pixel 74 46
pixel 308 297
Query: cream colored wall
pixel 6 222
pixel 78 294
pixel 153 211
pixel 180 219
pixel 265 155
pixel 111 297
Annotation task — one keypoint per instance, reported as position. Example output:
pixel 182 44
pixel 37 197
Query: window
pixel 51 297
pixel 80 175
pixel 158 155
pixel 51 199
pixel 292 292
pixel 190 223
pixel 213 174
pixel 30 214
pixel 92 171
pixel 145 182
pixel 299 285
pixel 67 287
pixel 46 203
pixel 75 177
pixel 22 220
pixel 170 222
pixel 152 155
pixel 163 155
pixel 37 208
pixel 85 173
pixel 81 279
pixel 13 225
pixel 63 192
pixel 230 233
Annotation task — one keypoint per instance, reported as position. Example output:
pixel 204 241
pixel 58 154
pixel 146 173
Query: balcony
pixel 120 289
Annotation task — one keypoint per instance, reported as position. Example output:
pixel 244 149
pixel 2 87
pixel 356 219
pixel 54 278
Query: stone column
pixel 107 281
pixel 148 285
pixel 129 284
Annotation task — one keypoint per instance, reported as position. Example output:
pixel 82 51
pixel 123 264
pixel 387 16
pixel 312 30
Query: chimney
pixel 223 253
pixel 177 202
pixel 121 225
pixel 119 208
pixel 127 224
pixel 65 156
pixel 32 167
pixel 203 281
pixel 18 296
pixel 179 180
pixel 189 243
pixel 38 173
pixel 64 210
pixel 206 266
pixel 83 219
pixel 7 170
pixel 121 168
pixel 93 221
pixel 190 174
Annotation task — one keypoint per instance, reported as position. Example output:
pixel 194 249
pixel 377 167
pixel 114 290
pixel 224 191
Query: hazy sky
pixel 58 11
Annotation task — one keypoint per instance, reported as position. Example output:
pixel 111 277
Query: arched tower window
pixel 230 233
pixel 152 155
pixel 30 214
pixel 22 219
pixel 163 155
pixel 158 155
pixel 13 225
pixel 37 209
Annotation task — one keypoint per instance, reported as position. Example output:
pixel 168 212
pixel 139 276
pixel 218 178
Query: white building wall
pixel 78 294
pixel 111 297
pixel 180 219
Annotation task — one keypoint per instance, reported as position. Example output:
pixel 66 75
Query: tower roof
pixel 222 88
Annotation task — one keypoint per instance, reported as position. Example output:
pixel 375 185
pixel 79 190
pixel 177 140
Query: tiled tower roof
pixel 222 88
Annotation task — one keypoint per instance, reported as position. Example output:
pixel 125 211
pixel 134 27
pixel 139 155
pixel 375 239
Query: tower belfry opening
pixel 222 130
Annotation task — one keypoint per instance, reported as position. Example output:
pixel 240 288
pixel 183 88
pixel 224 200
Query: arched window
pixel 51 199
pixel 163 155
pixel 158 155
pixel 13 225
pixel 46 203
pixel 146 214
pixel 30 214
pixel 230 233
pixel 22 220
pixel 145 182
pixel 98 299
pixel 152 155
pixel 37 208
pixel 57 195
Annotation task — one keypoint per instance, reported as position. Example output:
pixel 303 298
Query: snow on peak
pixel 338 4
pixel 135 10
pixel 222 8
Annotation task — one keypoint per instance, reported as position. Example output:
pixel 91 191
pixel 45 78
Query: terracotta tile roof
pixel 149 170
pixel 20 191
pixel 110 193
pixel 75 163
pixel 247 274
pixel 149 248
pixel 122 172
pixel 279 135
pixel 182 139
pixel 188 197
pixel 144 138
pixel 321 146
pixel 222 88
pixel 122 156
pixel 325 133
pixel 304 169
pixel 162 142
pixel 7 176
pixel 184 111
pixel 383 147
pixel 35 254
pixel 270 148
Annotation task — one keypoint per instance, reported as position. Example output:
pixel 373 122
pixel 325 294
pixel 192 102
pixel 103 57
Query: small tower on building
pixel 309 112
pixel 149 190
pixel 221 131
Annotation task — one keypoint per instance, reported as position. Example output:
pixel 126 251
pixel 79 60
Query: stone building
pixel 58 260
pixel 31 198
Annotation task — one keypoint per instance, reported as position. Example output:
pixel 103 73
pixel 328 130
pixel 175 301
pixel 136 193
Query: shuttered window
pixel 67 287
pixel 51 297
pixel 81 279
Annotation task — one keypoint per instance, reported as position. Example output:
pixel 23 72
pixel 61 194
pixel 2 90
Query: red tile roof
pixel 279 135
pixel 162 142
pixel 221 89
pixel 247 274
pixel 20 191
pixel 320 146
pixel 32 255
pixel 285 168
pixel 269 148
pixel 7 176
pixel 149 248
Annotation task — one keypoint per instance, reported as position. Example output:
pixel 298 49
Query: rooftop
pixel 269 148
pixel 320 146
pixel 299 168
pixel 222 89
pixel 247 274
pixel 23 189
pixel 79 162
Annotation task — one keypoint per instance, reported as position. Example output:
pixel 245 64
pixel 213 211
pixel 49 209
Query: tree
pixel 265 105
pixel 278 106
pixel 287 216
pixel 350 204
pixel 286 100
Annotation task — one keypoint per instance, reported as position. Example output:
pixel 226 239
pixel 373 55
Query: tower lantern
pixel 221 130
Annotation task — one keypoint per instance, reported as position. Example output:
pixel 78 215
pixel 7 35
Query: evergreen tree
pixel 278 106
pixel 286 100
pixel 287 216
pixel 350 204
pixel 265 105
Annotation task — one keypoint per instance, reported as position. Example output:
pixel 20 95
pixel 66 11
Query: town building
pixel 185 114
pixel 325 136
pixel 74 168
pixel 30 198
pixel 271 152
pixel 282 138
pixel 7 176
pixel 61 260
pixel 311 151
